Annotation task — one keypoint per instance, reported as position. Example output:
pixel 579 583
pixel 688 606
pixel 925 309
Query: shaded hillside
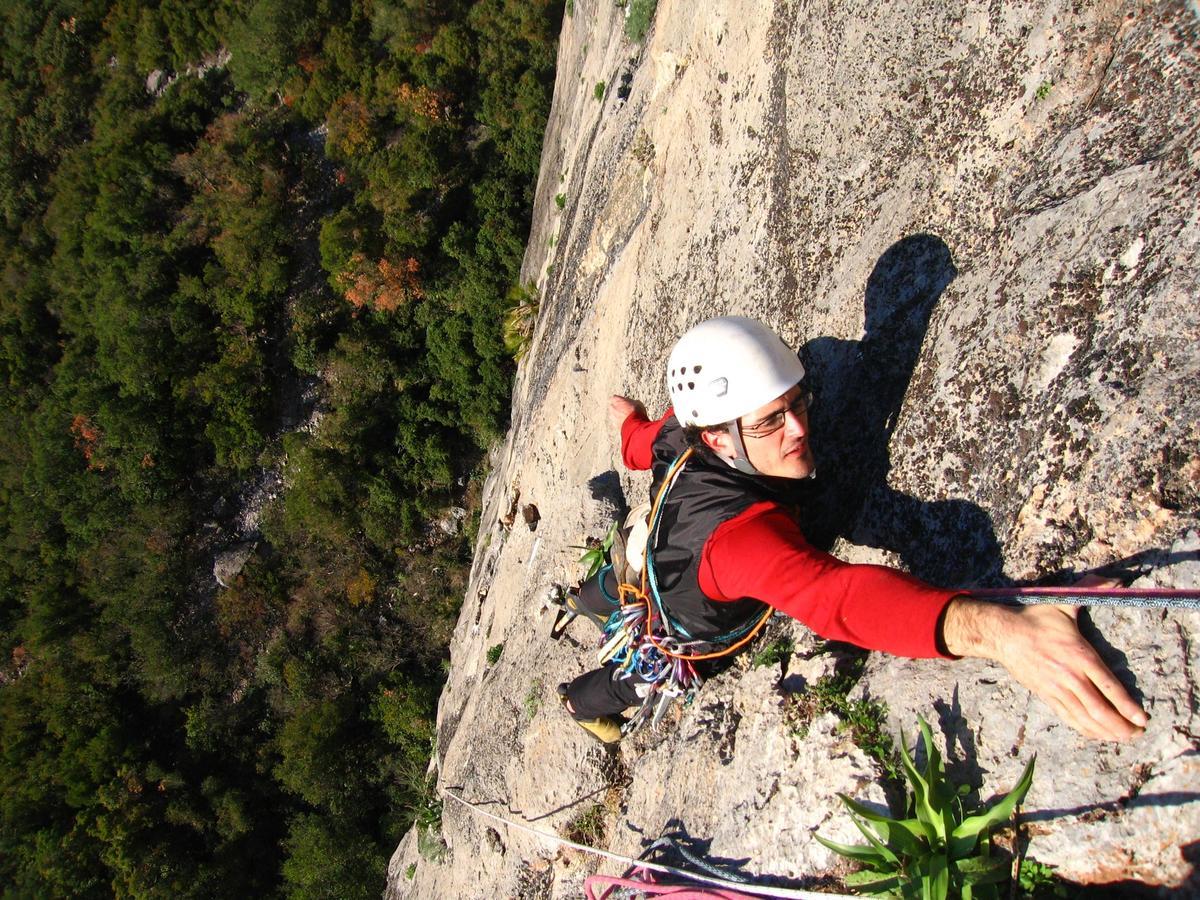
pixel 255 260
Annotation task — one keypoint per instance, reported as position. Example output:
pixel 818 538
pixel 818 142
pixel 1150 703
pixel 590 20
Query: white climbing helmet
pixel 726 367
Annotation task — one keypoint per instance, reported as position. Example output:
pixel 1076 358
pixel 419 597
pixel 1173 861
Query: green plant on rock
pixel 1037 880
pixel 427 817
pixel 588 827
pixel 493 654
pixel 595 554
pixel 637 18
pixel 533 698
pixel 560 200
pixel 523 305
pixel 935 851
pixel 598 90
pixel 775 652
pixel 865 719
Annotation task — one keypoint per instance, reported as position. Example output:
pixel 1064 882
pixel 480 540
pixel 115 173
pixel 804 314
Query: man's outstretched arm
pixel 1042 649
pixel 621 408
pixel 638 433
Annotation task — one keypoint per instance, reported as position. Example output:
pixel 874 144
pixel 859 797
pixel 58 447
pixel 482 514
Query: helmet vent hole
pixel 695 370
pixel 691 385
pixel 695 414
pixel 679 387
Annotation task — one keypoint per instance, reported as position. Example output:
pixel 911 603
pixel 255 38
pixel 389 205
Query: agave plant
pixel 935 851
pixel 594 557
pixel 520 319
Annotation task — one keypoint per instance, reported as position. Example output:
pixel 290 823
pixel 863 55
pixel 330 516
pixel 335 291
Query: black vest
pixel 707 493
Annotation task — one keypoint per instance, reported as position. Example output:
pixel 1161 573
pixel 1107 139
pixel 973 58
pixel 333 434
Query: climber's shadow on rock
pixel 859 387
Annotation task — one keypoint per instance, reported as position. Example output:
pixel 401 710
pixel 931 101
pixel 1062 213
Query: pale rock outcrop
pixel 979 222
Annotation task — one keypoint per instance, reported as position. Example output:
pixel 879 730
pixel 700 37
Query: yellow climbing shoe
pixel 603 729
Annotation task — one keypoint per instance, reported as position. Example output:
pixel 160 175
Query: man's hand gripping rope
pixel 1042 648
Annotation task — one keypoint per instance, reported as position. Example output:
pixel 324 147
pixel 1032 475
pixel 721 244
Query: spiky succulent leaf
pixel 933 758
pixel 930 818
pixel 594 559
pixel 935 882
pixel 967 835
pixel 868 882
pixel 874 841
pixel 982 870
pixel 607 543
pixel 941 794
pixel 903 836
pixel 866 855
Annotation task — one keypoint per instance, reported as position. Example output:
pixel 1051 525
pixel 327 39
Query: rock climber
pixel 729 542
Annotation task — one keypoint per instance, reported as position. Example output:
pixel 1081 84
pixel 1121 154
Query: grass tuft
pixel 637 19
pixel 775 652
pixel 866 720
pixel 588 827
pixel 533 698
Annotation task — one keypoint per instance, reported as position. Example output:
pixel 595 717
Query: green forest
pixel 221 221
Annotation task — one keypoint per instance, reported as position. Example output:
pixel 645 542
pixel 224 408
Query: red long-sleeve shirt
pixel 762 553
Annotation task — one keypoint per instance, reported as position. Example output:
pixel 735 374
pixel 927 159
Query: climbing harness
pixel 729 889
pixel 641 639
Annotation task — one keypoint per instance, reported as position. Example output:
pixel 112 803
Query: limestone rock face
pixel 978 223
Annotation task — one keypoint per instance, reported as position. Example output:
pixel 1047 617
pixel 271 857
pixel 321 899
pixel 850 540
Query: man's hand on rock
pixel 620 408
pixel 1042 649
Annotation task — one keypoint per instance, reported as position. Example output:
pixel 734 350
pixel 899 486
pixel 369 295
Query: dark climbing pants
pixel 599 693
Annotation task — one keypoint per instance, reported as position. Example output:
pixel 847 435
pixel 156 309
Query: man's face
pixel 776 437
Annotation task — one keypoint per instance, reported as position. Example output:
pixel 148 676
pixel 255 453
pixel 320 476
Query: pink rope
pixel 678 892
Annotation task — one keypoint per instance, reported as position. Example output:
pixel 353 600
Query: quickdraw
pixel 641 639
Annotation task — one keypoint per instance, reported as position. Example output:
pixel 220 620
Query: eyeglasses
pixel 775 420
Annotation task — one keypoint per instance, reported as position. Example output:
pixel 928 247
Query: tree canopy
pixel 219 222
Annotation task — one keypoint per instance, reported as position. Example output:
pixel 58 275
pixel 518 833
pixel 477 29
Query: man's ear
pixel 718 441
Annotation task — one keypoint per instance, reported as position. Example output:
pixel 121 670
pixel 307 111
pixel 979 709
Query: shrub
pixel 587 827
pixel 494 652
pixel 637 18
pixel 598 91
pixel 775 652
pixel 520 320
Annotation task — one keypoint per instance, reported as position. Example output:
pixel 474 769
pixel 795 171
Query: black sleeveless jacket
pixel 707 493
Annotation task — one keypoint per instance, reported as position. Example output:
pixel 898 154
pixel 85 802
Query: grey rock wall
pixel 979 223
